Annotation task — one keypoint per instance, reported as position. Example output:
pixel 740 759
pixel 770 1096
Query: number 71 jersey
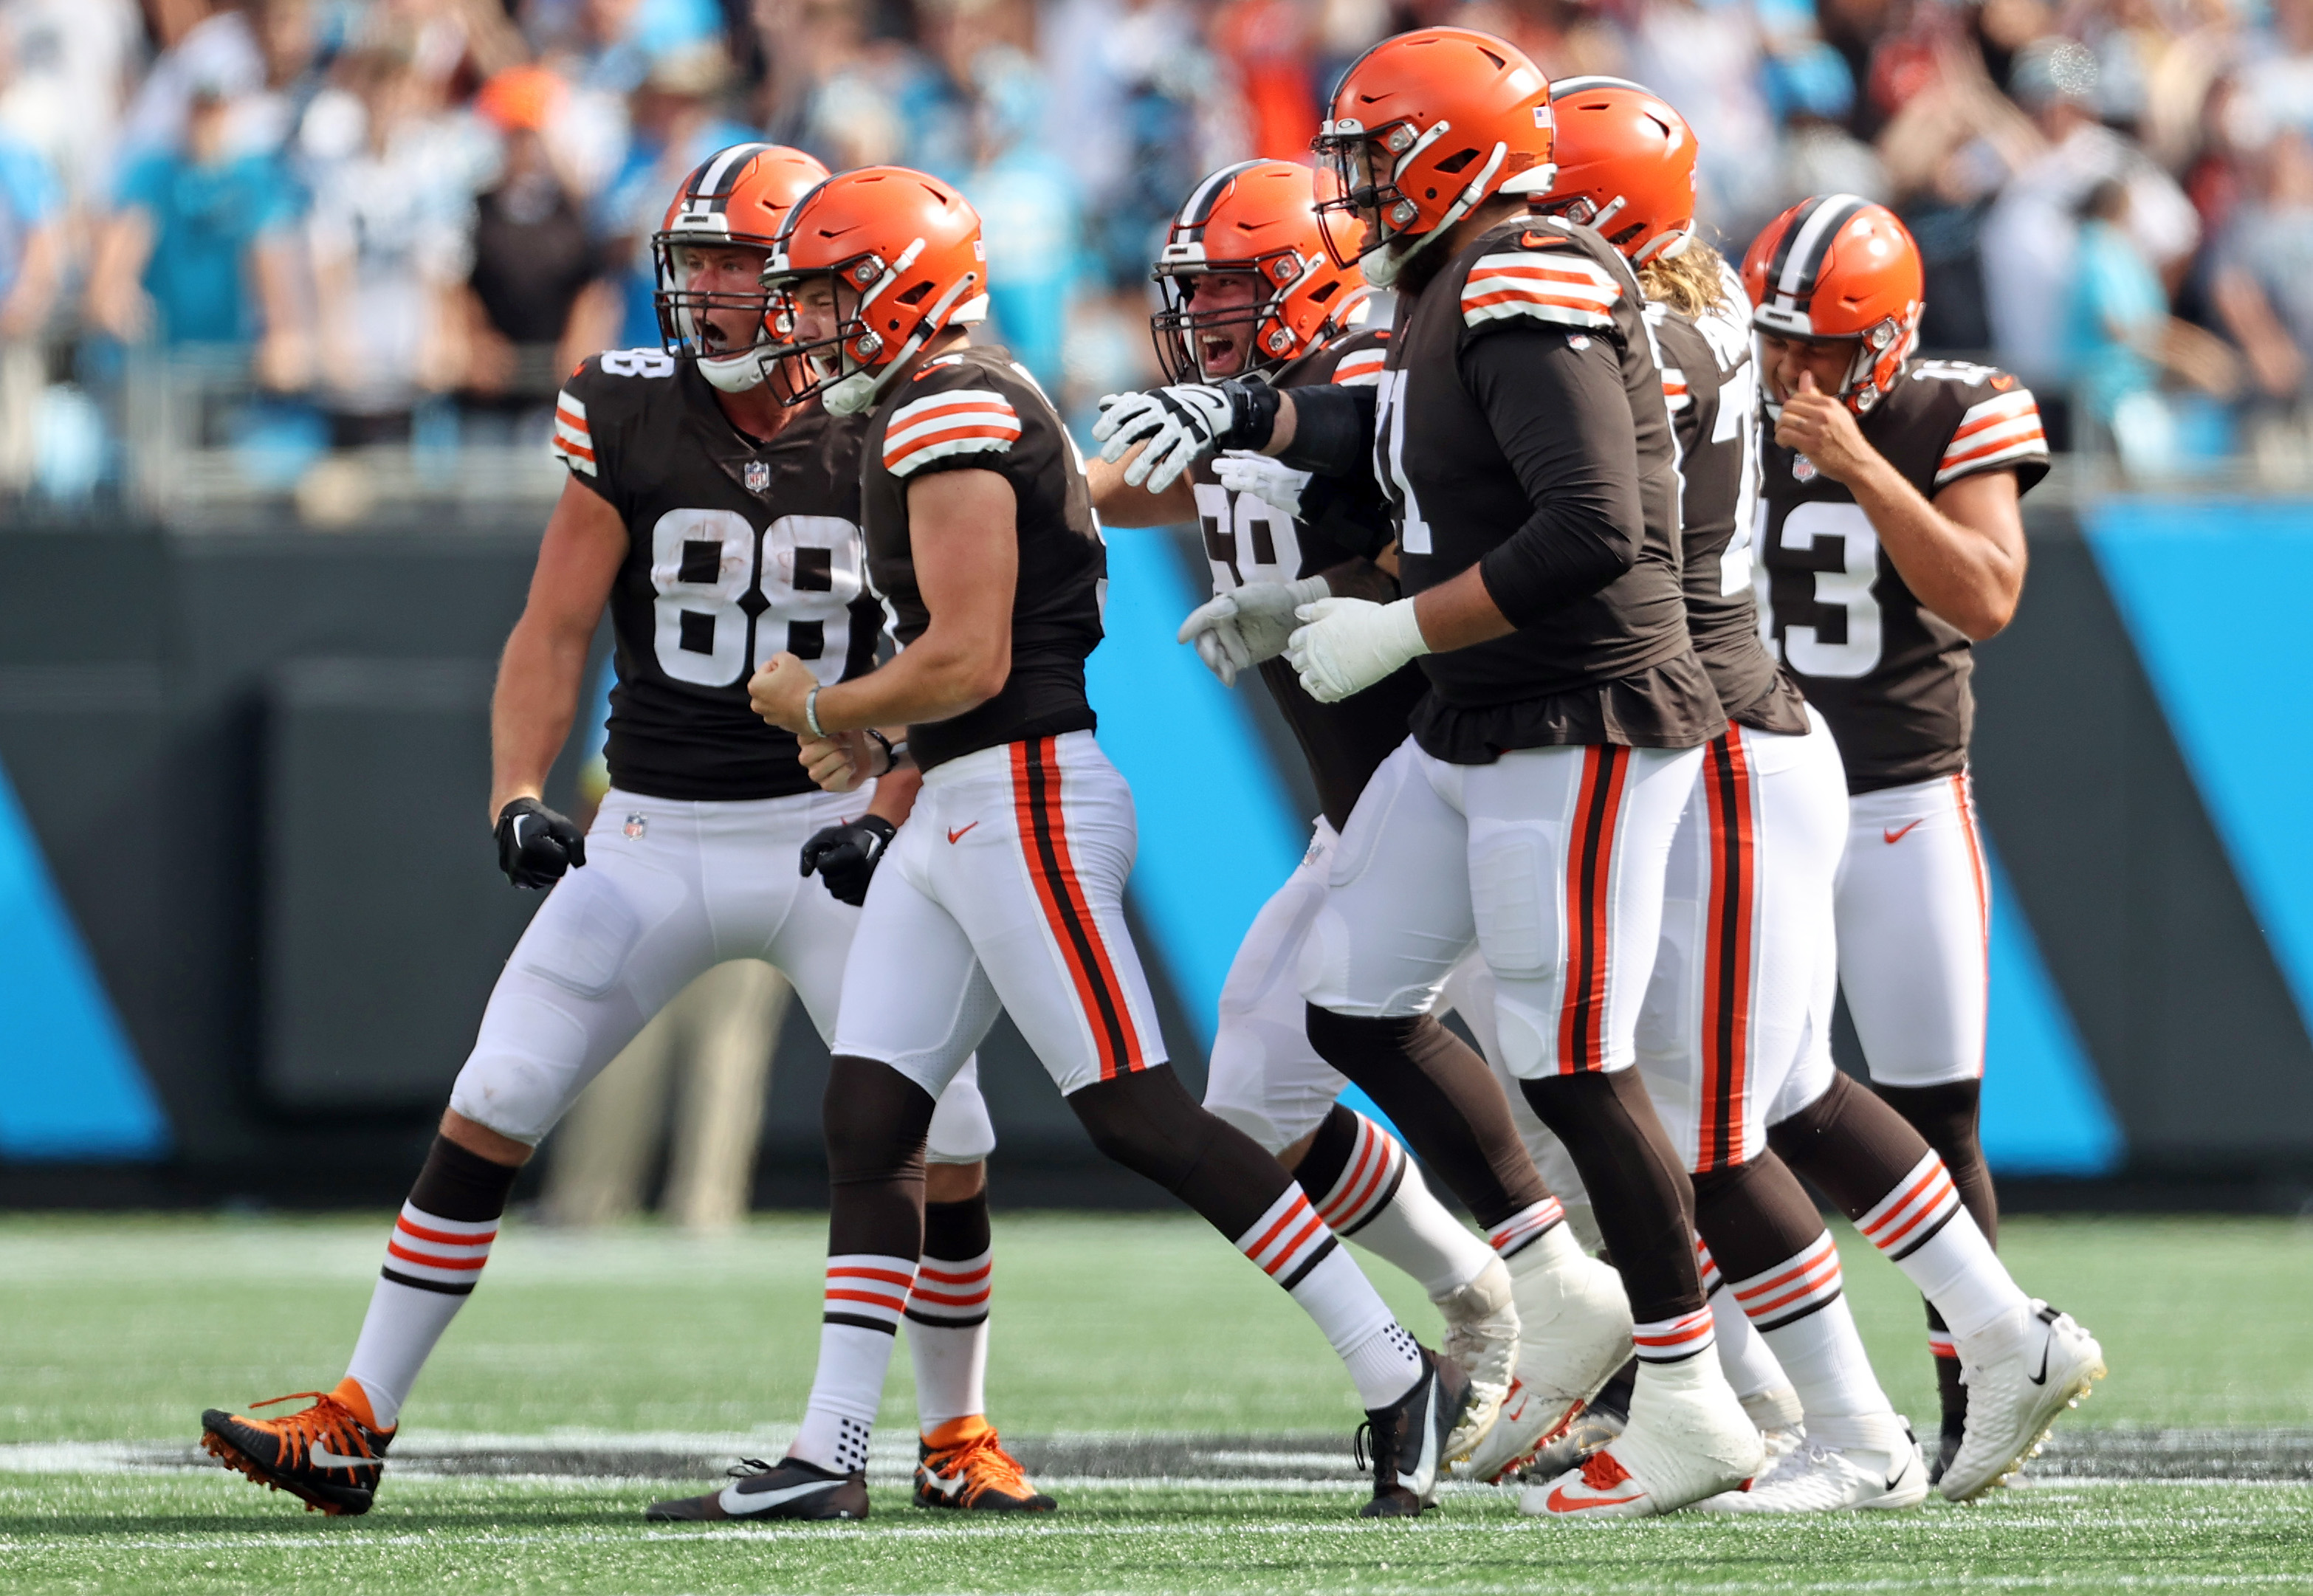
pixel 736 550
pixel 1890 676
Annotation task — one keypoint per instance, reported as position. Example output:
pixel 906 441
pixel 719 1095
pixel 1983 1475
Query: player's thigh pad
pixel 1033 844
pixel 614 940
pixel 960 1130
pixel 1913 925
pixel 1264 1077
pixel 1740 996
pixel 1396 915
pixel 914 995
pixel 1568 851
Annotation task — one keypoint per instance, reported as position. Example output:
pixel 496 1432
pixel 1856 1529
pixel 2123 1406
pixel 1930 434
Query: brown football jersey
pixel 977 409
pixel 1709 380
pixel 1247 539
pixel 736 549
pixel 1521 427
pixel 1890 676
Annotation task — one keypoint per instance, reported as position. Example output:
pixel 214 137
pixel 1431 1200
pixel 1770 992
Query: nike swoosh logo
pixel 1560 1502
pixel 945 1485
pixel 738 1504
pixel 321 1456
pixel 2042 1377
pixel 960 830
pixel 1896 835
pixel 518 820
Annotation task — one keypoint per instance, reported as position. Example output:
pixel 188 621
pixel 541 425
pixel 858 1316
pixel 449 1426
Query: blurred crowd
pixel 349 223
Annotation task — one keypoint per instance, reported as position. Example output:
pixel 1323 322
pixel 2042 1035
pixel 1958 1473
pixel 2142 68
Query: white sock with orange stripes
pixel 1369 1192
pixel 1524 1228
pixel 1672 1340
pixel 866 1296
pixel 432 1259
pixel 1295 1248
pixel 1927 1233
pixel 1742 1357
pixel 1799 1307
pixel 948 1312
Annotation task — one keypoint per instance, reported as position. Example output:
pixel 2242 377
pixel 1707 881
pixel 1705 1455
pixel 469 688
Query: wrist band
pixel 891 754
pixel 811 713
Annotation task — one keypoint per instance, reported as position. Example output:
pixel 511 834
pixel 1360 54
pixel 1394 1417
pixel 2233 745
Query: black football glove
pixel 536 844
pixel 845 857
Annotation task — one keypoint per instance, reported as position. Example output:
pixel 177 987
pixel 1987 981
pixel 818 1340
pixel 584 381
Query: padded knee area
pixel 875 1119
pixel 1147 1121
pixel 1443 1099
pixel 1755 1216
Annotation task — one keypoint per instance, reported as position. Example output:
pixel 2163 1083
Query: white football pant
pixel 1006 888
pixel 1914 914
pixel 670 889
pixel 1550 861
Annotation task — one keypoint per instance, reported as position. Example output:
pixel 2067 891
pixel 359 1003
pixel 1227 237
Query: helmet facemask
pixel 704 297
pixel 1370 168
pixel 1184 332
pixel 848 367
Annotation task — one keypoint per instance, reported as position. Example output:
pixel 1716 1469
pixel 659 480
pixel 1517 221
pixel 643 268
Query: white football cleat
pixel 1688 1438
pixel 1822 1477
pixel 2021 1371
pixel 1481 1335
pixel 1782 1423
pixel 1574 1331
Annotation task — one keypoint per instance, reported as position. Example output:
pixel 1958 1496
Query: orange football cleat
pixel 960 1464
pixel 329 1455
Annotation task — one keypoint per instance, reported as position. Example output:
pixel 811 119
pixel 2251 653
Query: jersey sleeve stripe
pixel 1360 369
pixel 1675 388
pixel 573 442
pixel 1574 292
pixel 1994 433
pixel 968 421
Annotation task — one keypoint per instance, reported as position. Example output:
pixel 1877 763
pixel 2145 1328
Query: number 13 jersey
pixel 736 549
pixel 1890 676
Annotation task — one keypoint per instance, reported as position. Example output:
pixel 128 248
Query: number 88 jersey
pixel 736 550
pixel 1890 676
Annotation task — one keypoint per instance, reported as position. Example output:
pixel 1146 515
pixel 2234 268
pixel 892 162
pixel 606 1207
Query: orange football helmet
pixel 1625 166
pixel 903 252
pixel 736 199
pixel 1259 218
pixel 1837 267
pixel 1425 126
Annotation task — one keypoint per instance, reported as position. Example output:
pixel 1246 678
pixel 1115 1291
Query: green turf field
pixel 585 1360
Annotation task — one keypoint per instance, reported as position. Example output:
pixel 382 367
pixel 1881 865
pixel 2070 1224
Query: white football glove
pixel 1179 424
pixel 1247 625
pixel 1272 482
pixel 1350 644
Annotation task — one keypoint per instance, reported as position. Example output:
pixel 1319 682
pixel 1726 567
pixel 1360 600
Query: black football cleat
pixel 326 1455
pixel 790 1488
pixel 1406 1440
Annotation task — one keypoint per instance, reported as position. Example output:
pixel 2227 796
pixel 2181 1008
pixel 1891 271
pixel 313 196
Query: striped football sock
pixel 432 1259
pixel 1368 1191
pixel 948 1312
pixel 1925 1231
pixel 866 1296
pixel 1294 1248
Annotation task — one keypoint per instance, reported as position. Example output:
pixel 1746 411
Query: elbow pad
pixel 1332 429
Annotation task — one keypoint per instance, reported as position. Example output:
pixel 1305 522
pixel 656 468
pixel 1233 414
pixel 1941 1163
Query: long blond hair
pixel 1691 282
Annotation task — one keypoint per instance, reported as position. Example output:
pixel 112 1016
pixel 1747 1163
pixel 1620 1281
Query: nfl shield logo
pixel 636 826
pixel 1802 469
pixel 759 476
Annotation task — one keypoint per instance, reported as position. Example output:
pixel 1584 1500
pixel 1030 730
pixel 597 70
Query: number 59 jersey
pixel 735 551
pixel 1890 676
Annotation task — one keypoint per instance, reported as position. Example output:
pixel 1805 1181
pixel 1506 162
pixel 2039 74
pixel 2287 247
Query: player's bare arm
pixel 967 562
pixel 1962 554
pixel 1119 504
pixel 545 660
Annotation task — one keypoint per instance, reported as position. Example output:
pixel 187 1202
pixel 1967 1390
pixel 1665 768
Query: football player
pixel 720 527
pixel 1252 289
pixel 1008 886
pixel 1892 541
pixel 1521 434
